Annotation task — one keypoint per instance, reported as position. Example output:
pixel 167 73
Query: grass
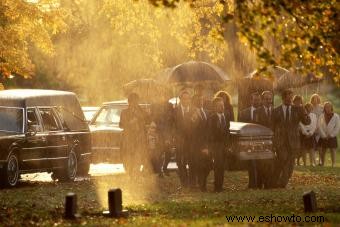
pixel 154 201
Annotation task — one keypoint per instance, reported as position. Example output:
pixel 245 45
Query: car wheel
pixel 69 171
pixel 10 174
pixel 84 169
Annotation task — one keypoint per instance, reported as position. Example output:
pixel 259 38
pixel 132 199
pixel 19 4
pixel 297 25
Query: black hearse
pixel 42 130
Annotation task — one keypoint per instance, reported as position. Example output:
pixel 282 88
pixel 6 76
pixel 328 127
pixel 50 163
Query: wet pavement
pixel 100 169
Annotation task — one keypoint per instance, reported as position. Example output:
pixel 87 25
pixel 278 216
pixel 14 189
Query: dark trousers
pixel 253 174
pixel 284 165
pixel 219 155
pixel 259 172
pixel 182 160
pixel 204 165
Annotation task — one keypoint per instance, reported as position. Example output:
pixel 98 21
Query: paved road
pixel 95 170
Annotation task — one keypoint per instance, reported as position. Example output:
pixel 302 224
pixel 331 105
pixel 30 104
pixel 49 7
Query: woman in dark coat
pixel 228 108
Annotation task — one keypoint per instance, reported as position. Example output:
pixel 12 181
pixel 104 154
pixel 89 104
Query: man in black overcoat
pixel 286 118
pixel 201 157
pixel 263 116
pixel 248 115
pixel 218 141
pixel 184 117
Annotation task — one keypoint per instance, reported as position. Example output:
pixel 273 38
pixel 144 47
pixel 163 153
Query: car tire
pixel 10 174
pixel 69 171
pixel 84 169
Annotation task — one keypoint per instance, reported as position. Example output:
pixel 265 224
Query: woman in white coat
pixel 308 136
pixel 329 126
pixel 315 100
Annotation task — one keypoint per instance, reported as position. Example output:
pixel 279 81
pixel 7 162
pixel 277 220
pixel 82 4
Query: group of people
pixel 321 134
pixel 199 131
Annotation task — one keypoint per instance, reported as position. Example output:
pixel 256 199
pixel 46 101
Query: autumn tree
pixel 300 35
pixel 109 43
pixel 25 25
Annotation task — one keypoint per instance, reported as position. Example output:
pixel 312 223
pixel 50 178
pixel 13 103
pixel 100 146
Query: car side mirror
pixel 32 130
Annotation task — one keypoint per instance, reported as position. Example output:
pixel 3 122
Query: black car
pixel 42 130
pixel 106 134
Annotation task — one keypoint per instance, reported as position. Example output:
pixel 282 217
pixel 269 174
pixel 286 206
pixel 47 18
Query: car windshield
pixel 11 119
pixel 108 115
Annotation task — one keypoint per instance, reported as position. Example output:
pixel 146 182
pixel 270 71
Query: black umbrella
pixel 148 90
pixel 196 71
pixel 292 80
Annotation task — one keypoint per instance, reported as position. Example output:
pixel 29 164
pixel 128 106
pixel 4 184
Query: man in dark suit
pixel 219 136
pixel 286 118
pixel 161 115
pixel 183 127
pixel 263 116
pixel 248 115
pixel 201 158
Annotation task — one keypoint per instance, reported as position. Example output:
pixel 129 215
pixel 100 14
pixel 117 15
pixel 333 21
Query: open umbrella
pixel 148 90
pixel 292 80
pixel 195 71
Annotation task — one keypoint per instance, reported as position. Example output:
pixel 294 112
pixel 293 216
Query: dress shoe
pixel 203 189
pixel 218 190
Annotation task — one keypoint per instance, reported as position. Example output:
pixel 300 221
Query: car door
pixel 34 151
pixel 57 146
pixel 106 134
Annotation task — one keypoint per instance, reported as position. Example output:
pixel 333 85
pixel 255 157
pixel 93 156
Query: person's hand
pixel 205 151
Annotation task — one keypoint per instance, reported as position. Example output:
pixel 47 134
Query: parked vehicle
pixel 106 134
pixel 249 141
pixel 42 130
pixel 89 112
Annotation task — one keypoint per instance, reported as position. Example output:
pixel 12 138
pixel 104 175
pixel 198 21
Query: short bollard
pixel 71 206
pixel 309 201
pixel 115 204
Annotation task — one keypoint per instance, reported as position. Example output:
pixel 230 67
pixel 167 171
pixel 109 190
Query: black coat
pixel 183 127
pixel 162 114
pixel 216 132
pixel 287 132
pixel 263 118
pixel 229 113
pixel 245 116
pixel 200 132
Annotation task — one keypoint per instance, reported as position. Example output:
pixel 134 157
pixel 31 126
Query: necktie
pixel 223 123
pixel 203 115
pixel 287 113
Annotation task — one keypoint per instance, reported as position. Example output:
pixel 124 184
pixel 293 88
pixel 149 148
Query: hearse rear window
pixel 49 120
pixel 11 119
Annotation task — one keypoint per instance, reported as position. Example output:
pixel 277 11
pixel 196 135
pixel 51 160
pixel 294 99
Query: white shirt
pixel 203 112
pixel 252 109
pixel 284 107
pixel 309 130
pixel 220 115
pixel 184 109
